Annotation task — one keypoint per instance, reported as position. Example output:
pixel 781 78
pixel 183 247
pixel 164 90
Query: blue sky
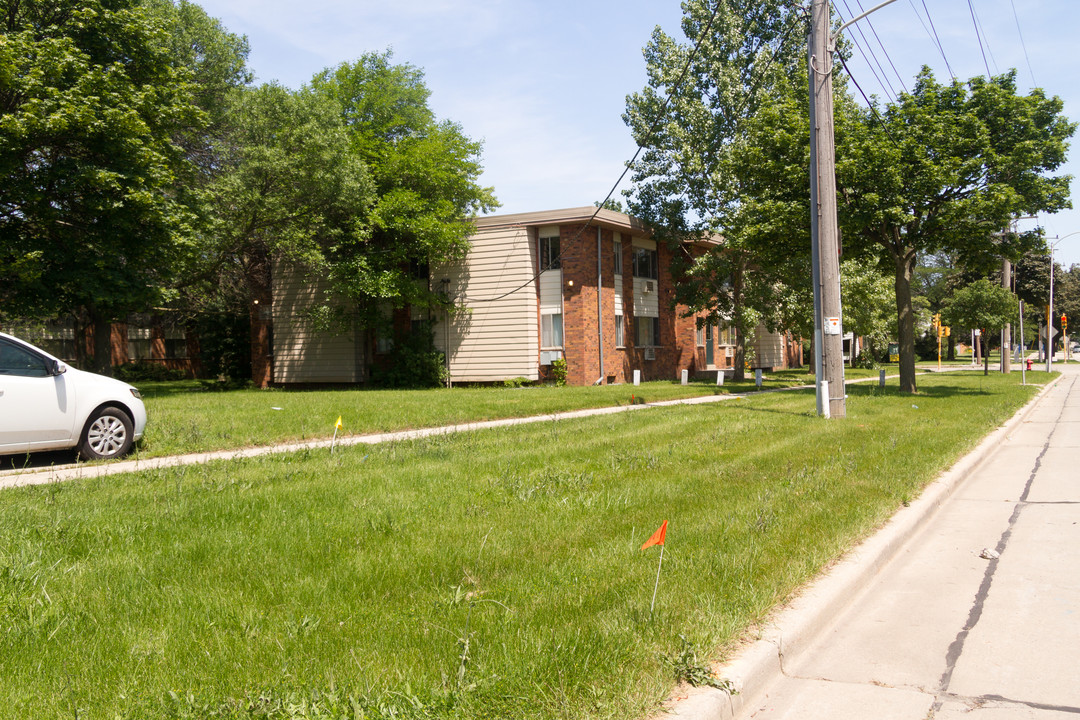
pixel 543 84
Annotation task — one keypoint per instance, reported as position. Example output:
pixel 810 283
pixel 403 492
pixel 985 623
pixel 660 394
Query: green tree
pixel 290 190
pixel 945 169
pixel 90 107
pixel 695 181
pixel 983 305
pixel 425 174
pixel 867 299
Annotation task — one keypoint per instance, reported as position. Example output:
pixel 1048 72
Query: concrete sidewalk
pixel 975 614
pixel 61 473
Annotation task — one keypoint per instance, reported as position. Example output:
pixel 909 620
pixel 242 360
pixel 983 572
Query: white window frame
pixel 620 331
pixel 548 325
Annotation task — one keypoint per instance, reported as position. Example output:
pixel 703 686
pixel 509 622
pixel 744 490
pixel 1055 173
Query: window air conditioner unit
pixel 650 353
pixel 648 286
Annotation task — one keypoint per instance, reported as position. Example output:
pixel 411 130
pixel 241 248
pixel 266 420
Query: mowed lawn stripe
pixel 487 574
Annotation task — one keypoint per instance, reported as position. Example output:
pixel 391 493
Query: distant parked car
pixel 46 405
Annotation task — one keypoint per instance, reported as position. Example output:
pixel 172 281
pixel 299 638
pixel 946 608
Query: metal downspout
pixel 599 304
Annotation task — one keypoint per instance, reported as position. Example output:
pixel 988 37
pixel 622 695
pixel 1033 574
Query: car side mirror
pixel 57 368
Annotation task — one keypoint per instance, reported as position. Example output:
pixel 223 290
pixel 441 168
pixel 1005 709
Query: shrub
pixel 558 371
pixel 414 363
pixel 141 371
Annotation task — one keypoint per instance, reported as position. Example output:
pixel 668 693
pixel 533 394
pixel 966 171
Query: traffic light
pixel 946 330
pixel 1064 322
pixel 937 323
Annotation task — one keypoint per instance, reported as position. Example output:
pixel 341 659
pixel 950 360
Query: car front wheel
pixel 107 435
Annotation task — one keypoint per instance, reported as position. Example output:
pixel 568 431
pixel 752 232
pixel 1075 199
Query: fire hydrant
pixel 1029 363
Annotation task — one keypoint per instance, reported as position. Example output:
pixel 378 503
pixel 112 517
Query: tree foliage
pixel 983 305
pixel 698 120
pixel 91 104
pixel 425 175
pixel 946 168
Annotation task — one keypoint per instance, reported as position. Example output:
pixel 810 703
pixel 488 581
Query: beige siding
pixel 768 349
pixel 492 337
pixel 302 354
pixel 646 302
pixel 551 300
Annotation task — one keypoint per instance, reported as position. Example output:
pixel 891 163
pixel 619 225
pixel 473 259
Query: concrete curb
pixel 796 626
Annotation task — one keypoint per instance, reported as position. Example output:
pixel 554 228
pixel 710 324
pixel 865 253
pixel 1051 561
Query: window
pixel 549 253
pixel 15 360
pixel 620 336
pixel 700 335
pixel 384 341
pixel 618 258
pixel 726 336
pixel 551 334
pixel 645 264
pixel 648 331
pixel 175 347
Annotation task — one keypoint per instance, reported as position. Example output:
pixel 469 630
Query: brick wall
pixel 581 335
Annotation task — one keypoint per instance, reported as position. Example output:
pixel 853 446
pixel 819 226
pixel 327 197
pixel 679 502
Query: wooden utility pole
pixel 828 325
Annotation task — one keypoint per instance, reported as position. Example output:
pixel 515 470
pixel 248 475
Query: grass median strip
pixel 183 420
pixel 489 574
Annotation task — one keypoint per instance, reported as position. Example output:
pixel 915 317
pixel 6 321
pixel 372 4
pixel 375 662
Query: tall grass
pixel 494 574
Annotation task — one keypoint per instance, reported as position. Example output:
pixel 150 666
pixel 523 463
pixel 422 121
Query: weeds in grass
pixel 688 668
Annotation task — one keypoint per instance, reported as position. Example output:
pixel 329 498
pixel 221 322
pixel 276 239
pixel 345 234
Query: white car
pixel 46 405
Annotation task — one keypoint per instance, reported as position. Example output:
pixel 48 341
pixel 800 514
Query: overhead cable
pixel 1023 44
pixel 978 36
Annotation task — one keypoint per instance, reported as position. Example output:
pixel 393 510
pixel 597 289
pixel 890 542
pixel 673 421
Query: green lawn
pixel 494 574
pixel 183 419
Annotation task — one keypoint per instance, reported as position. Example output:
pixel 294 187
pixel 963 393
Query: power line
pixel 872 107
pixel 884 83
pixel 882 45
pixel 648 135
pixel 1022 43
pixel 980 26
pixel 937 39
pixel 755 85
pixel 979 37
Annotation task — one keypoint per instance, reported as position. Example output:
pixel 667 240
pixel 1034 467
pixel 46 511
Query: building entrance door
pixel 710 358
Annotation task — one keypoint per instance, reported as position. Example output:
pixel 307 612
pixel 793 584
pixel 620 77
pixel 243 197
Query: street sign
pixel 1053 333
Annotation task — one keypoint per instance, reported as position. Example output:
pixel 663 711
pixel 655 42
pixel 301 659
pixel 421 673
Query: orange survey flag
pixel 657 537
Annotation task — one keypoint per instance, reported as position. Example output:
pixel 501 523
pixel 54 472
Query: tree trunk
pixel 905 320
pixel 986 352
pixel 102 344
pixel 740 329
pixel 257 275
